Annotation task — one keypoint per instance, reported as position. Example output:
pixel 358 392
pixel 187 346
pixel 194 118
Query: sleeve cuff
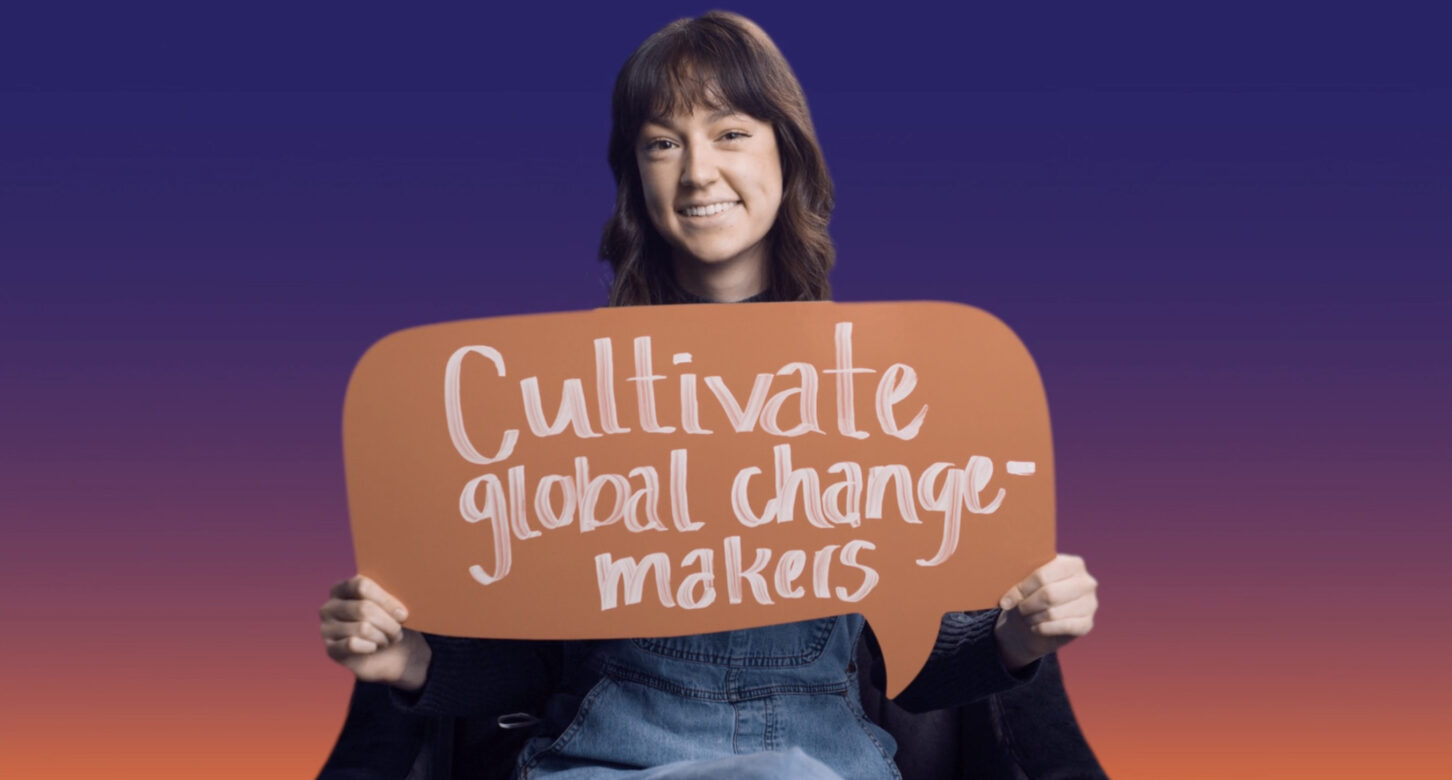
pixel 964 665
pixel 479 677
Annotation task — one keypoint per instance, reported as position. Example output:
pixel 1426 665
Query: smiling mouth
pixel 710 210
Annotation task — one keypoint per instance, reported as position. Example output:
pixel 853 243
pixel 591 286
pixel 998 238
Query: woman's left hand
pixel 1051 608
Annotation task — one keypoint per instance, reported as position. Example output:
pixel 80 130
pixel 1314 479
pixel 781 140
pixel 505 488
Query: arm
pixel 964 666
pixel 362 628
pixel 483 677
pixel 986 652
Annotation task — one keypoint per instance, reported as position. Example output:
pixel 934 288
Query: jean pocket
pixel 880 739
pixel 542 748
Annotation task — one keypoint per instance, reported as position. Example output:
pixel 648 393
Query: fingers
pixel 1062 569
pixel 1058 594
pixel 1051 607
pixel 336 629
pixel 353 611
pixel 360 618
pixel 1064 630
pixel 1011 598
pixel 1083 607
pixel 1027 585
pixel 1057 602
pixel 361 588
pixel 342 649
pixel 361 627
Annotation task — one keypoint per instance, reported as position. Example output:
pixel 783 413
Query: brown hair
pixel 717 60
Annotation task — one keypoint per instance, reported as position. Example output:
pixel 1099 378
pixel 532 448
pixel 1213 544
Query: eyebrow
pixel 715 116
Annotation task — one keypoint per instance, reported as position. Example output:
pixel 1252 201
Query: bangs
pixel 714 67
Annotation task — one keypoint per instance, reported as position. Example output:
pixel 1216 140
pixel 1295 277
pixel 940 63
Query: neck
pixel 734 280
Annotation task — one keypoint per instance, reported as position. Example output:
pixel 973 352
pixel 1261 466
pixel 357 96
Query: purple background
pixel 1222 231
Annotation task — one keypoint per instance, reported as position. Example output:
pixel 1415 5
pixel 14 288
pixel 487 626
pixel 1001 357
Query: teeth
pixel 706 211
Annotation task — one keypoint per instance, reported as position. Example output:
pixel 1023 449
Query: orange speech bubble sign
pixel 672 470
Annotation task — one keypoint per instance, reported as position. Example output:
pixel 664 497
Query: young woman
pixel 723 196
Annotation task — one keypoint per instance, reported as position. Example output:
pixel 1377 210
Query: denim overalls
pixel 787 689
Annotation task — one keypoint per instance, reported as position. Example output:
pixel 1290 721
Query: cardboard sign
pixel 671 470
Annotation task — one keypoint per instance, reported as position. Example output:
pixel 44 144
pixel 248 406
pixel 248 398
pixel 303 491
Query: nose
pixel 699 166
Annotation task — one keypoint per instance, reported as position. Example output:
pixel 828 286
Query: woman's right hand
pixel 362 628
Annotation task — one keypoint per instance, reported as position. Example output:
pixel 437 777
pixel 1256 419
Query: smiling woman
pixel 722 196
pixel 723 193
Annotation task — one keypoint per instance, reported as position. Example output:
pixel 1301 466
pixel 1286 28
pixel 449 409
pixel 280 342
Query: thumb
pixel 1010 599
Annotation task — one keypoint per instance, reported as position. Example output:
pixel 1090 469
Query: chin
pixel 706 256
pixel 716 258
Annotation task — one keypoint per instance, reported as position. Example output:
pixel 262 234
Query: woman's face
pixel 712 182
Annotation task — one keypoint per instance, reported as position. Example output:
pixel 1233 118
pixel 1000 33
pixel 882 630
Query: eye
pixel 734 135
pixel 659 145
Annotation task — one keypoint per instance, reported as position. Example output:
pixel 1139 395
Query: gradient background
pixel 1223 232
